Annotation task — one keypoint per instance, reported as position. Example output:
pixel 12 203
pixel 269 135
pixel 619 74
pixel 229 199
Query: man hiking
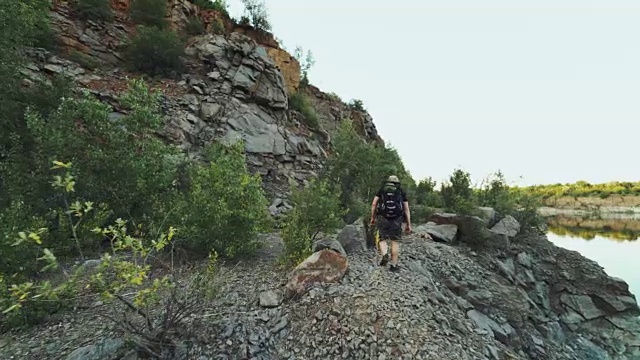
pixel 389 208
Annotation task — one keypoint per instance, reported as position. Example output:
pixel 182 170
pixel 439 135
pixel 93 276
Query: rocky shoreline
pixel 523 298
pixel 604 212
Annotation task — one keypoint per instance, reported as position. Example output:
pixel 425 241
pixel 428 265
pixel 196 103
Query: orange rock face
pixel 289 67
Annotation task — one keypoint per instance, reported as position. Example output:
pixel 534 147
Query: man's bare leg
pixel 395 249
pixel 384 252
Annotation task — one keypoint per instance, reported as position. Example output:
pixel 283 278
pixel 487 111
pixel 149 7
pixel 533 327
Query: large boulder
pixel 352 237
pixel 105 349
pixel 329 243
pixel 469 227
pixel 508 226
pixel 443 233
pixel 488 214
pixel 324 266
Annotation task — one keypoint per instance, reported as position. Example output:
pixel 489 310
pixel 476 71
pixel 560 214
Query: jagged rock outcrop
pixel 332 111
pixel 530 300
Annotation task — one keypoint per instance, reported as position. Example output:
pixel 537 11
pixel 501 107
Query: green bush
pixel 358 169
pixel 217 27
pixel 300 103
pixel 497 194
pixel 99 10
pixel 457 194
pixel 217 5
pixel 316 209
pixel 156 52
pixel 224 207
pixel 194 26
pixel 150 13
pixel 583 188
pixel 356 104
pixel 426 193
pixel 27 299
pixel 420 214
pixel 256 12
pixel 19 261
pixel 121 159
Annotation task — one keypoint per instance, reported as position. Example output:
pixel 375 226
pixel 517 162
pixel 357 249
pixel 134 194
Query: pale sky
pixel 544 89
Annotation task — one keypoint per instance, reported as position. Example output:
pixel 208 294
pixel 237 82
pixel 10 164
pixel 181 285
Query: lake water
pixel 613 242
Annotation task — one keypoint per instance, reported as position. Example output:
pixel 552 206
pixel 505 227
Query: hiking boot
pixel 394 268
pixel 385 260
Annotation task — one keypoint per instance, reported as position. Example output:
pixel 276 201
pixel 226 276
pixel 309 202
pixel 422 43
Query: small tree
pixel 217 5
pixel 306 63
pixel 194 26
pixel 123 275
pixel 156 52
pixel 256 12
pixel 152 13
pixel 316 209
pixel 497 194
pixel 223 207
pixel 356 104
pixel 426 193
pixel 301 103
pixel 457 194
pixel 358 168
pixel 121 159
pixel 99 10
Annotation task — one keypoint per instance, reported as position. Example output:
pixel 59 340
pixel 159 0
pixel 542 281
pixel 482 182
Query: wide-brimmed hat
pixel 393 179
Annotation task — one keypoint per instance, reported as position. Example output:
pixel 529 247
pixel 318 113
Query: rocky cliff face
pixel 237 85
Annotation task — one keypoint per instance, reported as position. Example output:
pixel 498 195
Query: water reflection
pixel 611 242
pixel 616 228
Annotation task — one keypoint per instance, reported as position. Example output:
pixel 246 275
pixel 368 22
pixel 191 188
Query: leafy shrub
pixel 300 102
pixel 316 209
pixel 194 26
pixel 497 194
pixel 421 213
pixel 426 193
pixel 583 188
pixel 99 10
pixel 526 211
pixel 256 12
pixel 335 97
pixel 217 27
pixel 26 301
pixel 224 207
pixel 121 160
pixel 457 194
pixel 356 105
pixel 14 219
pixel 156 52
pixel 150 13
pixel 359 169
pixel 45 97
pixel 217 5
pixel 244 20
pixel 306 63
